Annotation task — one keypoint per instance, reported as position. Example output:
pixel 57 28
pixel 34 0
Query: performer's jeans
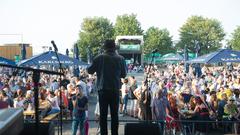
pixel 78 122
pixel 111 98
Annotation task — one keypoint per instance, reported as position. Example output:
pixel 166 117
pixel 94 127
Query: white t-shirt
pixel 124 89
pixel 54 102
pixel 18 104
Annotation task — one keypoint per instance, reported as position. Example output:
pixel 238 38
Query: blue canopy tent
pixel 49 58
pixel 7 61
pixel 223 55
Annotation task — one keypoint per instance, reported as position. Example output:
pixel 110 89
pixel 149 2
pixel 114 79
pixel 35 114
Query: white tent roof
pixel 136 37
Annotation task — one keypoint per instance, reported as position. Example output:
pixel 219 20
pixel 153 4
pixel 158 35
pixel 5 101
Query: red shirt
pixel 3 104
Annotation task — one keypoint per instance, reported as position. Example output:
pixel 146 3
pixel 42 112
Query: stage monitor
pixel 11 121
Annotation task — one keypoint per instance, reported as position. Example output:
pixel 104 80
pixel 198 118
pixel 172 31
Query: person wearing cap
pixel 110 68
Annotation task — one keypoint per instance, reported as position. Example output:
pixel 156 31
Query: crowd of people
pixel 171 96
pixel 134 68
pixel 16 91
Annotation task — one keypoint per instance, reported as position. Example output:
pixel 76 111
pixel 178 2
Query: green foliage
pixel 234 42
pixel 93 33
pixel 156 38
pixel 127 25
pixel 208 33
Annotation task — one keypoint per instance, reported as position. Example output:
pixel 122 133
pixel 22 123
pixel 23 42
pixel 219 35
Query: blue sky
pixel 40 21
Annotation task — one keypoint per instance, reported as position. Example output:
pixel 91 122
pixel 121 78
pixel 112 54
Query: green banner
pixel 192 55
pixel 130 48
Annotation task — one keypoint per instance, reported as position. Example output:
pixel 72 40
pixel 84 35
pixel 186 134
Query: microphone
pixel 54 46
pixel 61 70
pixel 155 50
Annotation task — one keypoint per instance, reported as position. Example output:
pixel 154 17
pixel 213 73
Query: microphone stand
pixel 61 71
pixel 36 77
pixel 146 82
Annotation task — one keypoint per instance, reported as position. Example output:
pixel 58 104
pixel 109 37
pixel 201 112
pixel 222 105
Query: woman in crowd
pixel 173 121
pixel 19 99
pixel 141 95
pixel 202 114
pixel 236 95
pixel 213 105
pixel 125 94
pixel 192 103
pixel 144 103
pixel 53 100
pixel 132 97
pixel 43 93
pixel 160 109
pixel 70 93
pixel 80 105
pixel 28 102
pixel 4 97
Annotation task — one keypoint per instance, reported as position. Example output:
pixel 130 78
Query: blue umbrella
pixel 223 55
pixel 49 58
pixel 7 61
pixel 23 51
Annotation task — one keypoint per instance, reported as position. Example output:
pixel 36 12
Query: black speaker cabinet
pixel 11 121
pixel 142 129
pixel 44 129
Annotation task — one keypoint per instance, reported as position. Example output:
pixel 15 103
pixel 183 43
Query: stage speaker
pixel 145 128
pixel 11 121
pixel 44 129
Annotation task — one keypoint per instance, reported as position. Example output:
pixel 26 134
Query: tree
pixel 234 42
pixel 127 25
pixel 156 38
pixel 93 33
pixel 205 32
